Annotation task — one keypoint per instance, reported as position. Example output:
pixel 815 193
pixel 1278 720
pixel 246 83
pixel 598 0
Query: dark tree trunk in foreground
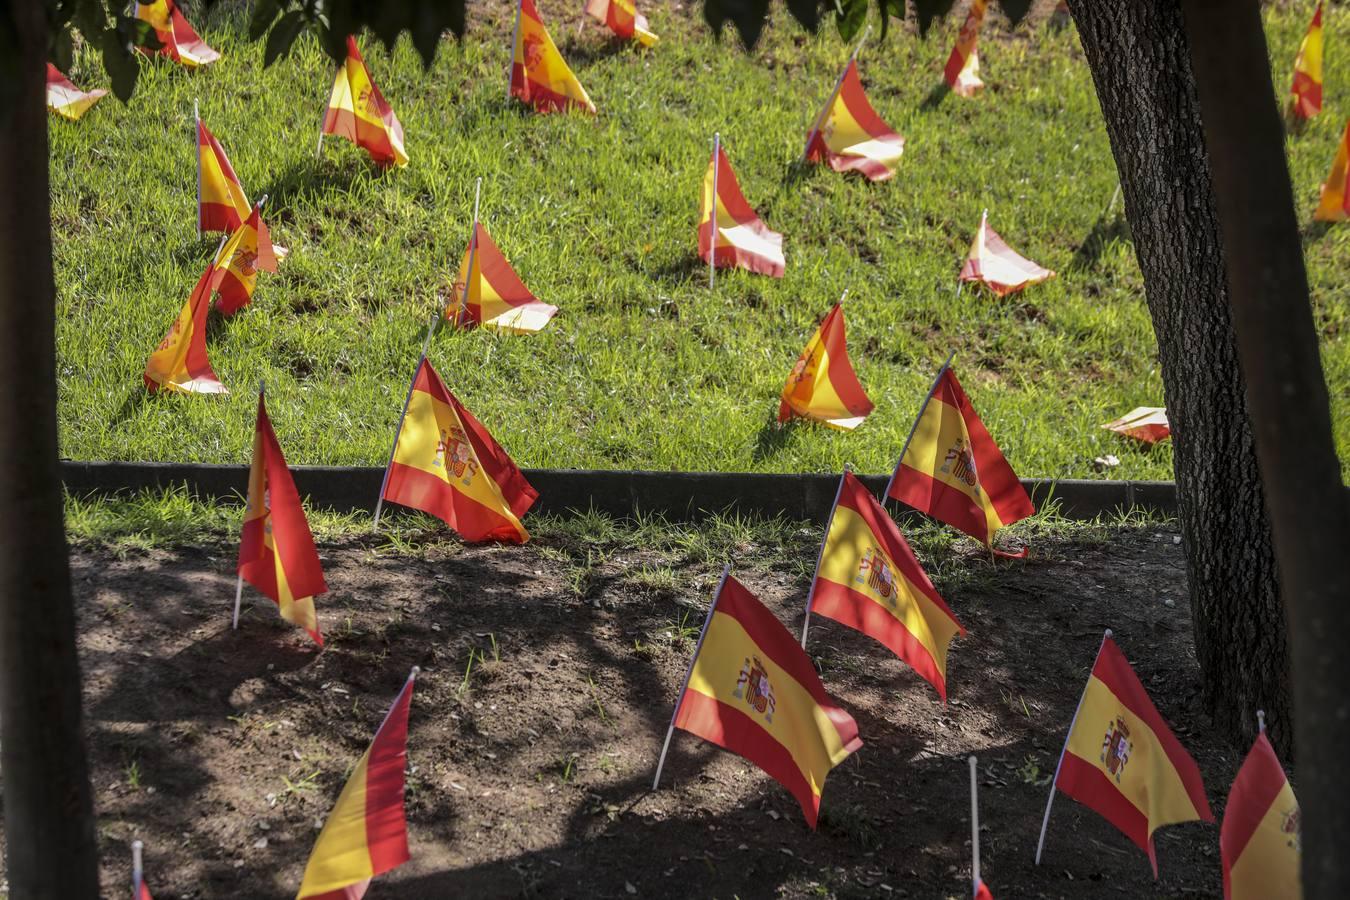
pixel 49 823
pixel 1287 394
pixel 1141 66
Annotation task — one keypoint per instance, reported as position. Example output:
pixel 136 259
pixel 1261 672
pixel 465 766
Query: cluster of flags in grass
pixel 1305 101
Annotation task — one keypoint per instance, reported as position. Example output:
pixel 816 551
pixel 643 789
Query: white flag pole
pixel 1260 721
pixel 239 578
pixel 511 65
pixel 137 869
pixel 473 253
pixel 974 830
pixel 825 110
pixel 197 149
pixel 426 345
pixel 915 427
pixel 679 701
pixel 811 594
pixel 712 213
pixel 1045 822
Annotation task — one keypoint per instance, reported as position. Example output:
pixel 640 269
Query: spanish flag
pixel 742 239
pixel 445 463
pixel 1122 760
pixel 962 72
pixel 754 691
pixel 251 249
pixel 276 550
pixel 1147 424
pixel 489 293
pixel 1259 839
pixel 65 98
pixel 358 112
pixel 179 363
pixel 623 19
pixel 221 204
pixel 1305 94
pixel 1335 203
pixel 822 385
pixel 366 834
pixel 869 579
pixel 996 265
pixel 539 75
pixel 177 39
pixel 850 136
pixel 952 470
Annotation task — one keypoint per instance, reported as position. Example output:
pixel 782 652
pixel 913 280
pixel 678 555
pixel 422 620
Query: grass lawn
pixel 644 367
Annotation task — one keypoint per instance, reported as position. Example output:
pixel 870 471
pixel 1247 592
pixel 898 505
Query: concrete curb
pixel 679 496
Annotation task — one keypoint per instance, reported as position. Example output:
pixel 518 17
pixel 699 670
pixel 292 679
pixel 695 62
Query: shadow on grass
pixel 1111 226
pixel 1315 231
pixel 136 398
pixel 582 53
pixel 678 271
pixel 314 176
pixel 773 437
pixel 935 96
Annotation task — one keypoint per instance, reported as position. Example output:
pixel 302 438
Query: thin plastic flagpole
pixel 820 557
pixel 515 36
pixel 318 147
pixel 426 345
pixel 712 213
pixel 1260 721
pixel 197 148
pixel 137 869
pixel 1045 822
pixel 239 578
pixel 473 253
pixel 824 110
pixel 915 427
pixel 679 701
pixel 974 829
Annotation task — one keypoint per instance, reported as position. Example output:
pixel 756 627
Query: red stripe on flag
pixel 371 138
pixel 541 98
pixel 855 610
pixel 1255 788
pixel 941 501
pixel 1090 786
pixel 386 826
pixel 410 486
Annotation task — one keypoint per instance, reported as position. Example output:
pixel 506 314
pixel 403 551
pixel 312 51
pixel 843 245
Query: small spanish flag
pixel 65 99
pixel 850 136
pixel 1305 93
pixel 962 72
pixel 489 293
pixel 743 240
pixel 623 19
pixel 996 265
pixel 179 363
pixel 952 470
pixel 177 39
pixel 1260 837
pixel 539 75
pixel 1122 760
pixel 221 203
pixel 366 833
pixel 869 579
pixel 251 249
pixel 752 690
pixel 445 463
pixel 358 112
pixel 823 385
pixel 1147 424
pixel 1335 203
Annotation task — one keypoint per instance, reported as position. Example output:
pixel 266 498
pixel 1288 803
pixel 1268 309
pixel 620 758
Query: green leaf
pixel 120 61
pixel 264 14
pixel 63 49
pixel 890 8
pixel 929 10
pixel 850 17
pixel 806 12
pixel 283 35
pixel 1015 10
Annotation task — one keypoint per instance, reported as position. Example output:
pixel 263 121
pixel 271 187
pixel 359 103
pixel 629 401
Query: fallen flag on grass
pixel 179 363
pixel 539 75
pixel 366 833
pixel 823 386
pixel 65 98
pixel 221 203
pixel 996 265
pixel 850 136
pixel 1334 205
pixel 623 19
pixel 727 223
pixel 176 38
pixel 1305 93
pixel 488 292
pixel 358 112
pixel 962 72
pixel 251 249
pixel 1143 423
pixel 1260 837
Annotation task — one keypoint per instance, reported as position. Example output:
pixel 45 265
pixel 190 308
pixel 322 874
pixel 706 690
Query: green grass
pixel 644 367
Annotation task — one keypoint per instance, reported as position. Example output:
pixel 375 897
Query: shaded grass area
pixel 645 367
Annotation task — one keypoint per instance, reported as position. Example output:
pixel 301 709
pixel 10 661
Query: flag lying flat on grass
pixel 996 265
pixel 221 203
pixel 489 293
pixel 623 19
pixel 177 39
pixel 358 112
pixel 179 363
pixel 952 470
pixel 741 238
pixel 1305 93
pixel 539 75
pixel 1260 837
pixel 65 98
pixel 754 691
pixel 850 136
pixel 823 386
pixel 1334 205
pixel 366 833
pixel 962 72
pixel 276 550
pixel 1143 423
pixel 445 463
pixel 251 249
pixel 868 579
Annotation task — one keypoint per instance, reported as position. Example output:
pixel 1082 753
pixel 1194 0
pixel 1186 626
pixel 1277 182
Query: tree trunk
pixel 49 822
pixel 1141 67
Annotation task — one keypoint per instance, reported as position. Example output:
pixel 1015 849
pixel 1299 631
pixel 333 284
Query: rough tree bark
pixel 49 822
pixel 1141 67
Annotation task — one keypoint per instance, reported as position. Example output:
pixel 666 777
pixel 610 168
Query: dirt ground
pixel 531 775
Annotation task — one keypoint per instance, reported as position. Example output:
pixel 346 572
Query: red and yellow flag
pixel 962 72
pixel 65 99
pixel 221 204
pixel 177 39
pixel 742 239
pixel 996 265
pixel 1123 761
pixel 539 75
pixel 1260 837
pixel 276 550
pixel 755 692
pixel 869 579
pixel 179 363
pixel 1143 423
pixel 623 19
pixel 489 293
pixel 446 464
pixel 822 385
pixel 952 469
pixel 850 136
pixel 1305 93
pixel 358 112
pixel 251 249
pixel 1334 205
pixel 366 834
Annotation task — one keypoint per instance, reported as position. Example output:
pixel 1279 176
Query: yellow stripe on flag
pixel 1269 864
pixel 341 855
pixel 940 430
